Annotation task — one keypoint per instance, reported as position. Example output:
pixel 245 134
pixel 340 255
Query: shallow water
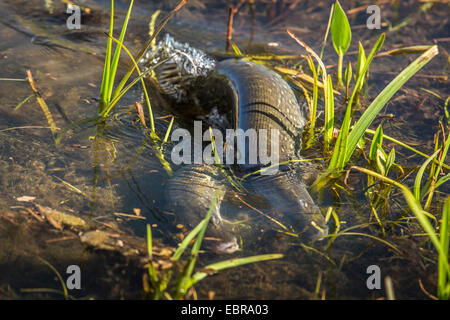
pixel 120 172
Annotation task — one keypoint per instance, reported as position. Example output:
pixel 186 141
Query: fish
pixel 254 97
pixel 263 100
pixel 190 192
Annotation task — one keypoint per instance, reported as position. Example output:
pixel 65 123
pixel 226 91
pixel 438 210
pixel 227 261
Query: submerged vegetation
pixel 339 133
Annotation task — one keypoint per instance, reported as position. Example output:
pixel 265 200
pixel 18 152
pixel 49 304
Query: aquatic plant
pixel 347 140
pixel 108 97
pixel 440 242
pixel 341 35
pixel 351 135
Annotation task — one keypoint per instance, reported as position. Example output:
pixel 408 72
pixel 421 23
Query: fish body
pixel 262 101
pixel 191 191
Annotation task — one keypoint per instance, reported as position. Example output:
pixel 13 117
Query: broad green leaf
pixel 340 30
pixel 381 162
pixel 390 160
pixel 377 142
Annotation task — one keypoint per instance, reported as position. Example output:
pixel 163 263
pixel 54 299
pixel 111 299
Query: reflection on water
pixel 121 170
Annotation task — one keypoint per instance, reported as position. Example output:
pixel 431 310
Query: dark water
pixel 68 65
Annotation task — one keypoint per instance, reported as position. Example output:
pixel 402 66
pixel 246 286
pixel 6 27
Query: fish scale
pixel 265 101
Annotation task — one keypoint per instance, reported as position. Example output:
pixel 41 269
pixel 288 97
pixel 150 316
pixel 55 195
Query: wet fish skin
pixel 263 100
pixel 190 193
pixel 290 198
pixel 260 99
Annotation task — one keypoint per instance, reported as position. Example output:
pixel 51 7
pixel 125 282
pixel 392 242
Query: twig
pixel 61 239
pixel 231 12
pixel 426 292
pixel 260 212
pixel 36 216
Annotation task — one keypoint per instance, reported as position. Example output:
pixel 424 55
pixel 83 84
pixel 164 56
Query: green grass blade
pixel 185 280
pixel 419 175
pixel 184 244
pixel 416 208
pixel 327 32
pixel 237 51
pixel 380 101
pixel 201 226
pixel 106 71
pixel 151 267
pixel 359 234
pixel 442 180
pixel 339 151
pixel 231 263
pixel 23 102
pixel 442 158
pixel 443 279
pixel 377 142
pixel 116 57
pixel 404 145
pixel 329 115
pixel 144 88
pixel 312 119
pixel 199 239
pixel 128 87
pixel 169 128
pixel 60 278
pixel 149 241
pixel 147 46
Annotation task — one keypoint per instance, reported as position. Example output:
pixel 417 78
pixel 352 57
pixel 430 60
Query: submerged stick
pixel 41 102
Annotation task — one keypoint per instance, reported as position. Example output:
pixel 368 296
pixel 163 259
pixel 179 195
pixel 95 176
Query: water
pixel 67 67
